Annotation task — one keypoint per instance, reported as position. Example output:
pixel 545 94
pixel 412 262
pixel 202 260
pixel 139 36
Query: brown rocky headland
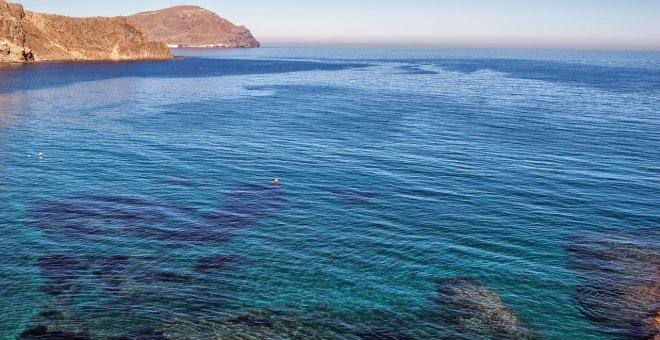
pixel 37 37
pixel 193 26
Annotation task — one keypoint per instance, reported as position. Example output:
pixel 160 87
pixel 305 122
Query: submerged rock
pixel 218 262
pixel 94 218
pixel 263 324
pixel 50 314
pixel 475 310
pixel 98 217
pixel 619 276
pixel 163 277
pixel 650 327
pixel 111 270
pixel 60 272
pixel 124 283
pixel 147 334
pixel 382 334
pixel 318 322
pixel 111 265
pixel 42 333
pixel 194 236
pixel 252 321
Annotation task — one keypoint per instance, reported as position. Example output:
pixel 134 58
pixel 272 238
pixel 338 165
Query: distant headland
pixel 193 26
pixel 38 37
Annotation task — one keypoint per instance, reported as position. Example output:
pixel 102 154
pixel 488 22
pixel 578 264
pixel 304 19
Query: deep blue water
pixel 424 194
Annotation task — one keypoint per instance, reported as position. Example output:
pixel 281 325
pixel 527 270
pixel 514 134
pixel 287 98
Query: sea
pixel 423 194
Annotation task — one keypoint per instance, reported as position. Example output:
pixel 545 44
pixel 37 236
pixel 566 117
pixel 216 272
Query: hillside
pixel 39 37
pixel 193 26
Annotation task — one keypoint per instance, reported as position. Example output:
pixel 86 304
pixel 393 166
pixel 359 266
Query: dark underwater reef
pixel 93 218
pixel 127 280
pixel 128 286
pixel 471 308
pixel 619 277
pixel 462 308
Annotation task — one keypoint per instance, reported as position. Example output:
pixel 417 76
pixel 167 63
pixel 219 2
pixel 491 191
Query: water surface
pixel 530 178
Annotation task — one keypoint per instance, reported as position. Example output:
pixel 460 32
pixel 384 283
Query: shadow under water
pixel 42 333
pixel 92 218
pixel 218 262
pixel 60 272
pixel 128 282
pixel 88 293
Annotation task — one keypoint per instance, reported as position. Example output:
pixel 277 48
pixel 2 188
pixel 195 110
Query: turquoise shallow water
pixel 424 194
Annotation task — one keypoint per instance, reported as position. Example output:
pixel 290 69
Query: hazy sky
pixel 506 23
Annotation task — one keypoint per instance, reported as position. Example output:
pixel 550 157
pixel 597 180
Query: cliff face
pixel 193 26
pixel 55 37
pixel 12 35
pixel 28 36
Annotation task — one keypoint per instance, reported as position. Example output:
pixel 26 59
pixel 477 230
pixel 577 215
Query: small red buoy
pixel 276 181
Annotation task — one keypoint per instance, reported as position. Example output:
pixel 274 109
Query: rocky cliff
pixel 27 36
pixel 12 35
pixel 193 26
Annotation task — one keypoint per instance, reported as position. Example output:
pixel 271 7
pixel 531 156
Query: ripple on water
pixel 352 196
pixel 471 308
pixel 94 218
pixel 249 204
pixel 42 333
pixel 60 272
pixel 477 172
pixel 619 281
pixel 110 270
pixel 218 262
pixel 97 217
pixel 88 221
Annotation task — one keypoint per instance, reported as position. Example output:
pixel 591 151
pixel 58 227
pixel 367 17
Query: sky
pixel 608 24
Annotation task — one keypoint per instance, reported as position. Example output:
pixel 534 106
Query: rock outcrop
pixel 12 35
pixel 28 36
pixel 476 311
pixel 193 26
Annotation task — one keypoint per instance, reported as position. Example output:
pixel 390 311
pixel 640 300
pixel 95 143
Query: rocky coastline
pixel 27 37
pixel 38 37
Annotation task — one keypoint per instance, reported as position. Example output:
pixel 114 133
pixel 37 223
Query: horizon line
pixel 440 45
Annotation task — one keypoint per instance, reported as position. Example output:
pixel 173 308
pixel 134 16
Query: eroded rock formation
pixel 28 36
pixel 193 26
pixel 12 35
